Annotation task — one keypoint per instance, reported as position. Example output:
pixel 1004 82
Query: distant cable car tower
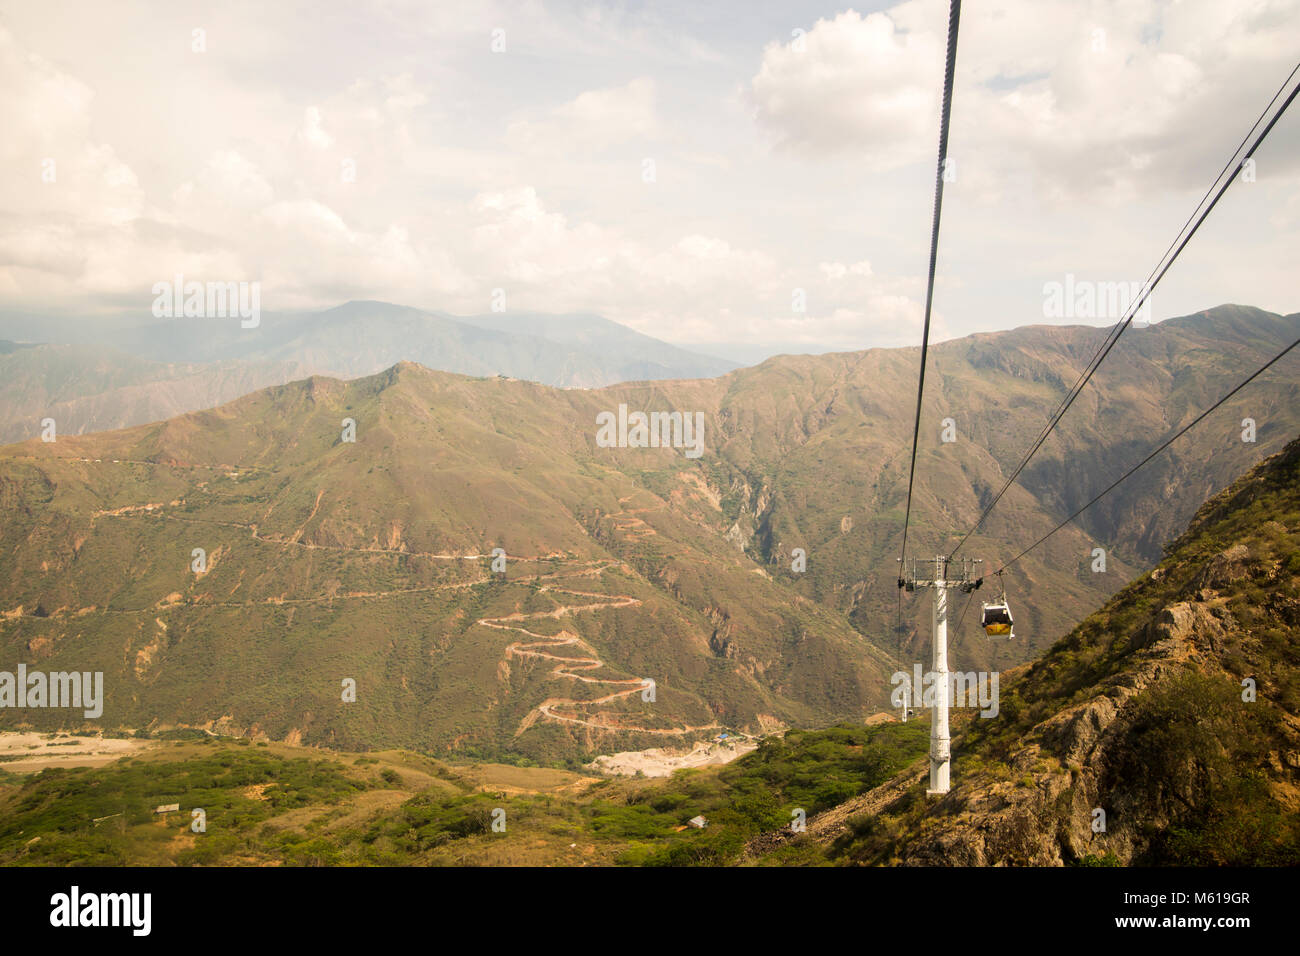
pixel 942 574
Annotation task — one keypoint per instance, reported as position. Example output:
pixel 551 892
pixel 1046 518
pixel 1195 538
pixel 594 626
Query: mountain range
pixel 95 375
pixel 647 597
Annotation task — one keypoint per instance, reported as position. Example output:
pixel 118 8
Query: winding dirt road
pixel 573 668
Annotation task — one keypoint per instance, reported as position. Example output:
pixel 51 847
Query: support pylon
pixel 940 742
pixel 943 578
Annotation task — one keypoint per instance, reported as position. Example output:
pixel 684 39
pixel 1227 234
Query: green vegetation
pixel 275 806
pixel 1192 739
pixel 804 770
pixel 51 818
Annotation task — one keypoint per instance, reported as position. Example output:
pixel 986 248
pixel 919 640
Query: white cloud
pixel 593 120
pixel 854 84
pixel 54 165
pixel 838 270
pixel 228 183
pixel 1082 97
pixel 522 170
pixel 313 129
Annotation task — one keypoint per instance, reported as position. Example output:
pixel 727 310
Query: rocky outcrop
pixel 1040 809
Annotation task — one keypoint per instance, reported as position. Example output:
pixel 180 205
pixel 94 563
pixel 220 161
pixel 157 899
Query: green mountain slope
pixel 371 561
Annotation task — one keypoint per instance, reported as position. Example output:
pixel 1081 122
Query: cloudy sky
pixel 679 167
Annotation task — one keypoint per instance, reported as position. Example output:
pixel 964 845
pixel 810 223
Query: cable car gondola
pixel 996 619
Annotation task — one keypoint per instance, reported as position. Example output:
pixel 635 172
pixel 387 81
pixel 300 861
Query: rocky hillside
pixel 1144 712
pixel 814 455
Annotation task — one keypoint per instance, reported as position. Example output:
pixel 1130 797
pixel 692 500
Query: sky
pixel 739 178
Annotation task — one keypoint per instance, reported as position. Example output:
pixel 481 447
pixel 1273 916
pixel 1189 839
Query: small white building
pixel 698 822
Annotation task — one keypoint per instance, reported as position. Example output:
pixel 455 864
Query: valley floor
pixel 269 804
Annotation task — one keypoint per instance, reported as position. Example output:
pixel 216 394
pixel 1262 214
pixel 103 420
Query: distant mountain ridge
pixel 88 388
pixel 365 337
pixel 92 376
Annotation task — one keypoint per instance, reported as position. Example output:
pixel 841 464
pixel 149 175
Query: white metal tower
pixel 963 579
